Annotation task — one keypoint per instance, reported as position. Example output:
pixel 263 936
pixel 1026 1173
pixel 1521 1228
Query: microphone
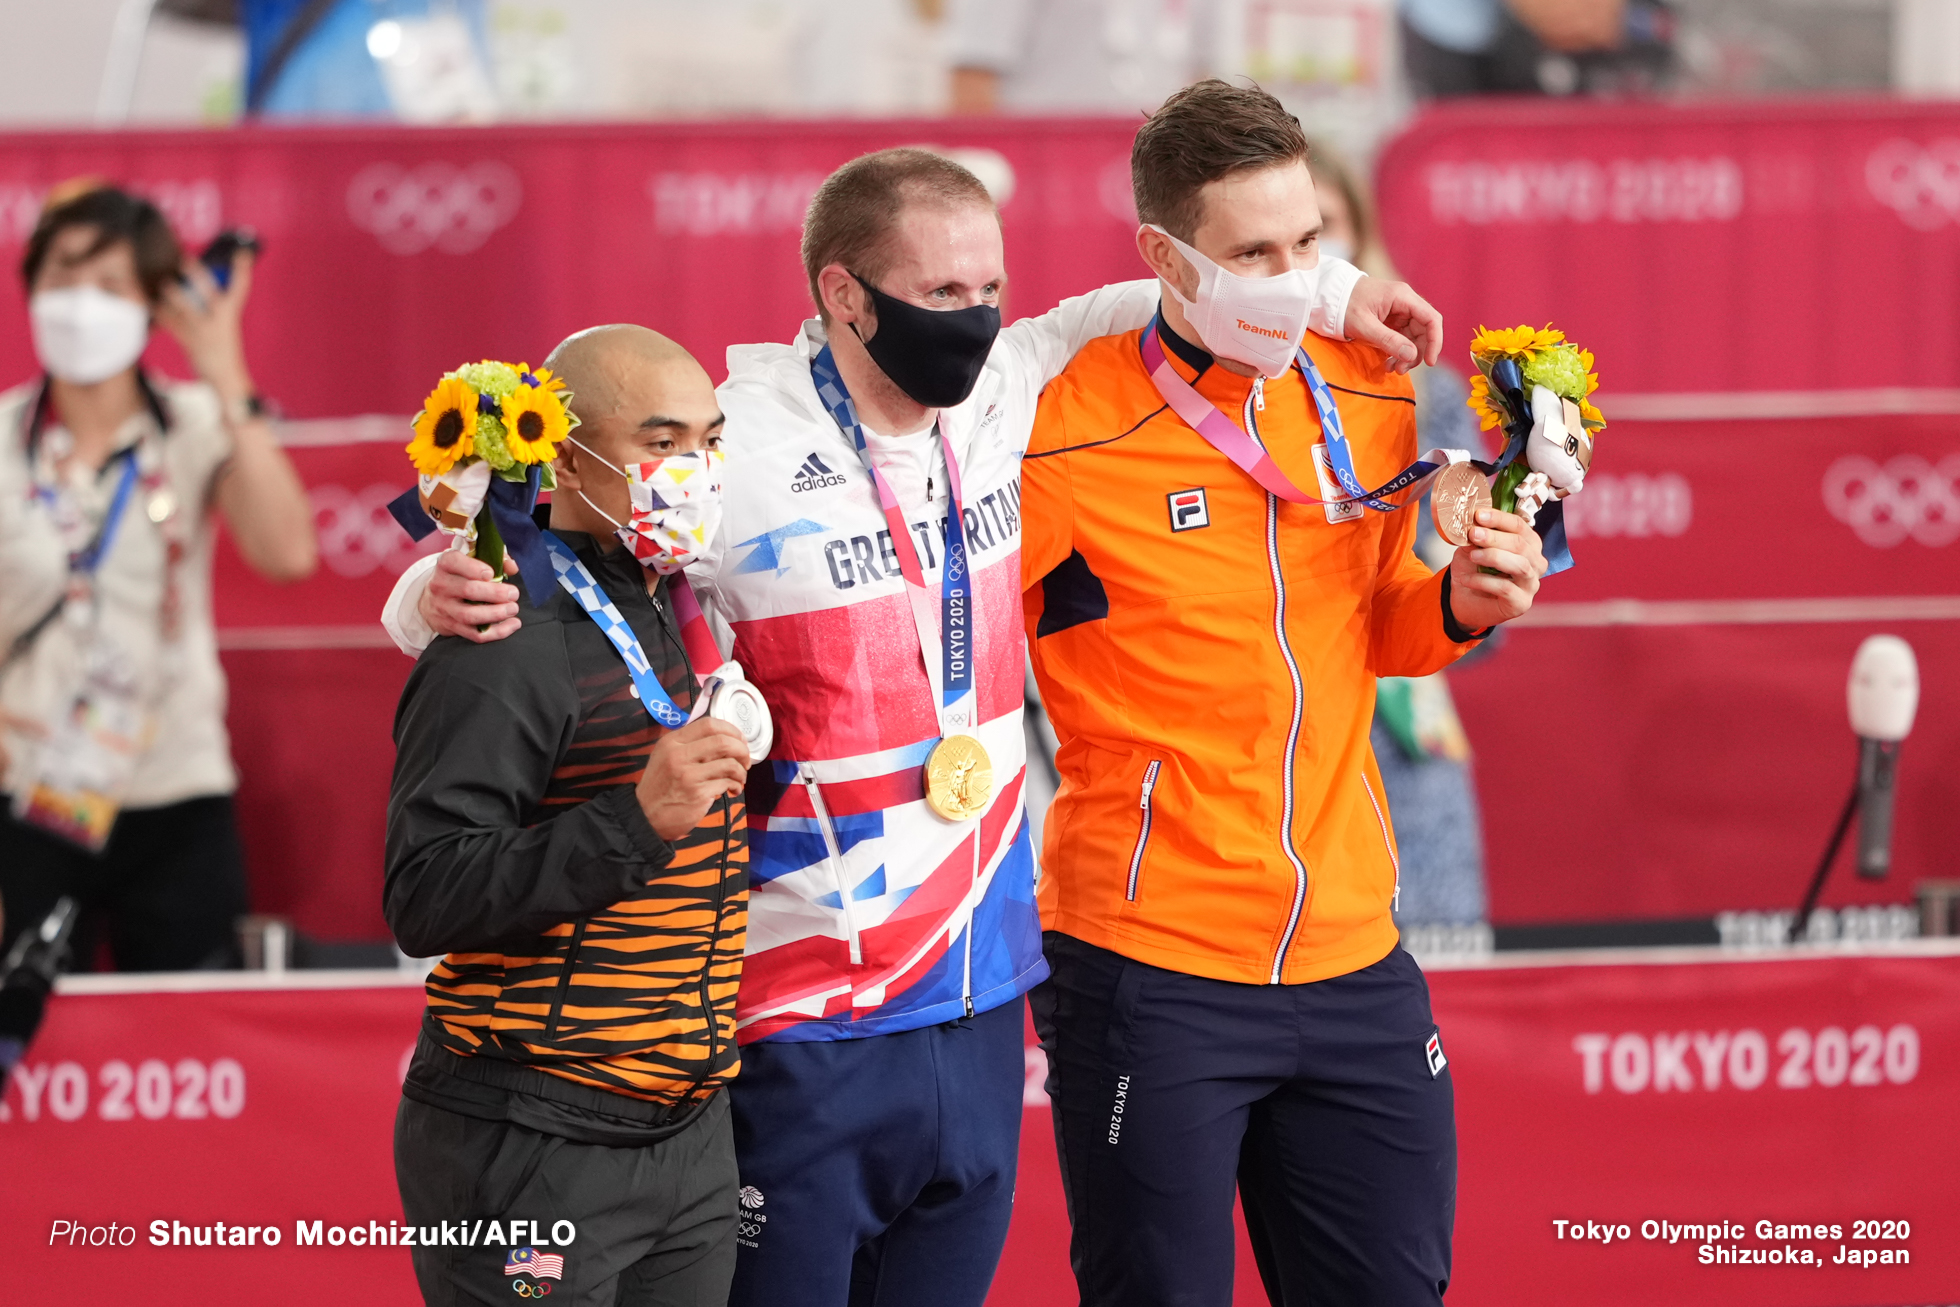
pixel 1883 696
pixel 27 978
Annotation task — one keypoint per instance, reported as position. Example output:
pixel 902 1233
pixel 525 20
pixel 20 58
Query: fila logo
pixel 1189 511
pixel 813 475
pixel 1433 1050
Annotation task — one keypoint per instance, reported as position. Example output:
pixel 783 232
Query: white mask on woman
pixel 676 507
pixel 1257 321
pixel 83 334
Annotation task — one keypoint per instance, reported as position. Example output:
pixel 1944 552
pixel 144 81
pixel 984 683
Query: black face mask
pixel 933 355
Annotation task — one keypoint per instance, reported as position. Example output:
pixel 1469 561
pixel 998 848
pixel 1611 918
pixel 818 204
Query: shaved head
pixel 638 396
pixel 614 369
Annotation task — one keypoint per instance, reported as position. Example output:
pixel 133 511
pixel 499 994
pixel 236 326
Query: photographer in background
pixel 114 762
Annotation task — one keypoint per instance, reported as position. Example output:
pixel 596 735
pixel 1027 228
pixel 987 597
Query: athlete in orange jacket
pixel 1228 1005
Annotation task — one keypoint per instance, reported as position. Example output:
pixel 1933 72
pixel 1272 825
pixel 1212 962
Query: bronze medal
pixel 959 777
pixel 1460 491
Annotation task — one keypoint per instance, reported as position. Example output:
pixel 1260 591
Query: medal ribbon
pixel 1225 436
pixel 951 673
pixel 578 583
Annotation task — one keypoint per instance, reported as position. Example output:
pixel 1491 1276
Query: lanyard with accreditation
pixel 959 777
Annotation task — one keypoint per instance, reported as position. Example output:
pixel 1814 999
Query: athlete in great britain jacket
pixel 868 914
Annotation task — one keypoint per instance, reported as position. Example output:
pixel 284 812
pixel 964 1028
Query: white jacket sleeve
pixel 401 616
pixel 1041 347
pixel 1338 279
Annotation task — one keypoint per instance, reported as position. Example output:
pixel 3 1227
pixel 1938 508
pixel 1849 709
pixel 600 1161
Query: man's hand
pixel 462 596
pixel 1392 317
pixel 1505 542
pixel 687 771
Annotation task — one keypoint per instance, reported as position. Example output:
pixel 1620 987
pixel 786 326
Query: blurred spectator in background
pixel 1076 56
pixel 113 754
pixel 1418 739
pixel 1535 47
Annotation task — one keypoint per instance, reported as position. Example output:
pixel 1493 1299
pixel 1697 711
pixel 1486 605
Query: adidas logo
pixel 814 475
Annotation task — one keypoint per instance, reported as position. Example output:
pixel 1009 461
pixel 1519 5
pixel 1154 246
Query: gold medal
pixel 1460 491
pixel 959 777
pixel 162 504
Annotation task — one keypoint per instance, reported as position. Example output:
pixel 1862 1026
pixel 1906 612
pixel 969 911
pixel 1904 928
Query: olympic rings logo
pixel 1920 184
pixel 357 533
pixel 526 1289
pixel 1907 497
pixel 436 204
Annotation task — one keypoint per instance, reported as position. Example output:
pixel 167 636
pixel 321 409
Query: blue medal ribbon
pixel 1550 521
pixel 578 583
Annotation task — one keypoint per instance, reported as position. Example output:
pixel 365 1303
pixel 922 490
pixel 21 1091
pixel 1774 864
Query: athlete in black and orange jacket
pixel 581 1023
pixel 588 960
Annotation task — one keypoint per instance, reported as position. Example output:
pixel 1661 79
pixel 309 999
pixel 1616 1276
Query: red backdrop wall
pixel 1773 295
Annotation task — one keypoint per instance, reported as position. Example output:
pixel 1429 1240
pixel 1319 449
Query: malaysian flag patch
pixel 1433 1050
pixel 529 1261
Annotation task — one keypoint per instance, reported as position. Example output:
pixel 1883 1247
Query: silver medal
pixel 733 700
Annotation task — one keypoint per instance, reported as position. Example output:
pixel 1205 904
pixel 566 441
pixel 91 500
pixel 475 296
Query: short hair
pixel 853 214
pixel 1208 130
pixel 116 216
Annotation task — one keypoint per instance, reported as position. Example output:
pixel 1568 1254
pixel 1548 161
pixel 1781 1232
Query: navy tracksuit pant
pixel 878 1172
pixel 1327 1106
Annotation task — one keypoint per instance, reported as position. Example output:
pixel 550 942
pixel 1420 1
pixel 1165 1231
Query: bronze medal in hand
pixel 1460 491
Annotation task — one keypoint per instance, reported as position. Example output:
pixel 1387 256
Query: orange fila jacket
pixel 1208 654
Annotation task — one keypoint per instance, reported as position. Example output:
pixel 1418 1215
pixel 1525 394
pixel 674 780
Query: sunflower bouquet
pixel 483 446
pixel 1536 386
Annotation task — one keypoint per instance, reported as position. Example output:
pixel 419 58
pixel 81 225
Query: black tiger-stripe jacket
pixel 588 981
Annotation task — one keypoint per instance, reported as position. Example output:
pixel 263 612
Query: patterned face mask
pixel 676 507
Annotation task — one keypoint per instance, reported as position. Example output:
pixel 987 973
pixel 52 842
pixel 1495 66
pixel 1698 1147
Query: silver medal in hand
pixel 728 696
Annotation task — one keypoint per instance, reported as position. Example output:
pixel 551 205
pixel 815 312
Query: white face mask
pixel 83 334
pixel 1333 247
pixel 676 507
pixel 1257 321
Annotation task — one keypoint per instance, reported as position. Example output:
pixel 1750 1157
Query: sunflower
pixel 543 379
pixel 1481 404
pixel 1515 341
pixel 534 422
pixel 445 428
